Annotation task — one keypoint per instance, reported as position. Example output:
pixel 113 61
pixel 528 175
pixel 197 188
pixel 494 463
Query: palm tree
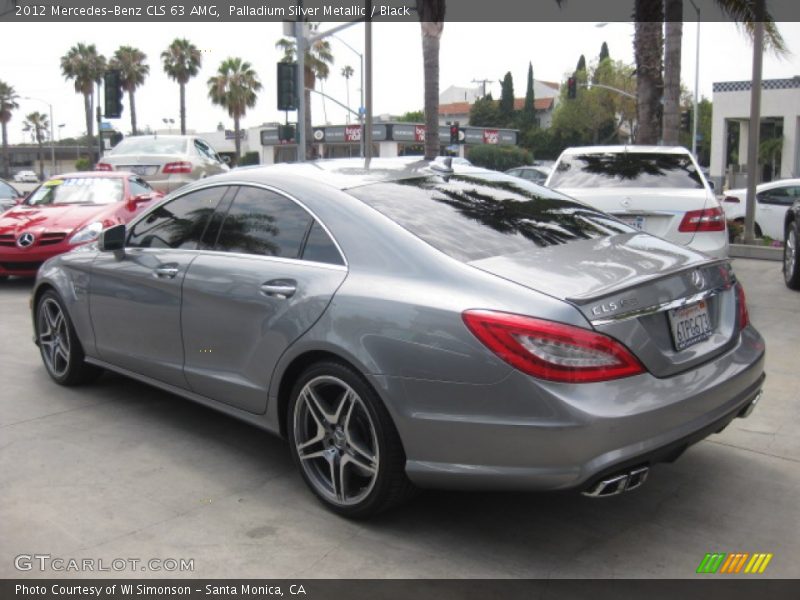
pixel 8 103
pixel 648 44
pixel 318 59
pixel 234 88
pixel 133 70
pixel 347 73
pixel 743 13
pixel 431 20
pixel 39 126
pixel 85 66
pixel 182 61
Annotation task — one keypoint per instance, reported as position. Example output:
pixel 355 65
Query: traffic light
pixel 454 133
pixel 686 120
pixel 572 88
pixel 112 87
pixel 286 133
pixel 287 86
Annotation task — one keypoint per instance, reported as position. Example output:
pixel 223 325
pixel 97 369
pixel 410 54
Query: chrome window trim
pixel 203 251
pixel 264 186
pixel 664 306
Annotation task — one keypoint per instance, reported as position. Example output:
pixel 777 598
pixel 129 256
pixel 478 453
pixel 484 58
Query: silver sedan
pixel 406 326
pixel 166 162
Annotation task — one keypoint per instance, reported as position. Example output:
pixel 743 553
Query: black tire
pixel 377 436
pixel 62 353
pixel 791 256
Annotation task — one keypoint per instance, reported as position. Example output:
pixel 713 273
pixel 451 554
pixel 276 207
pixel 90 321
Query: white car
pixel 26 177
pixel 772 201
pixel 658 189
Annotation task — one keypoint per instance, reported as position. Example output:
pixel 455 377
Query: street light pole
pixel 695 113
pixel 361 105
pixel 50 131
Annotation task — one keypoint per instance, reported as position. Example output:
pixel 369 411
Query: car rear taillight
pixel 103 167
pixel 731 199
pixel 550 350
pixel 178 167
pixel 741 307
pixel 710 219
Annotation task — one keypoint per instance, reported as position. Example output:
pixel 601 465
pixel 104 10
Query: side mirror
pixel 134 201
pixel 711 185
pixel 112 239
pixel 227 160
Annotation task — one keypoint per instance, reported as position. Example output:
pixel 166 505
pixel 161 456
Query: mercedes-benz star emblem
pixel 698 280
pixel 25 240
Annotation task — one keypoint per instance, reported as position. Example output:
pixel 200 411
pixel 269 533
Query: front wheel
pixel 58 343
pixel 344 442
pixel 791 260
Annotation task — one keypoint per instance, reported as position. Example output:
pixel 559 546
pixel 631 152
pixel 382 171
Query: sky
pixel 468 51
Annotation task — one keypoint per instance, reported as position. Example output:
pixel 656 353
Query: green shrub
pixel 249 158
pixel 499 158
pixel 83 164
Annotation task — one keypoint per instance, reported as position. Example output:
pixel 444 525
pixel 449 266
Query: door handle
pixel 165 272
pixel 279 288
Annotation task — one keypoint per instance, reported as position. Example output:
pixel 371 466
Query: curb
pixel 757 252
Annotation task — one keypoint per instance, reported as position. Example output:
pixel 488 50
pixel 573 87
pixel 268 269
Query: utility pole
pixel 483 83
pixel 99 121
pixel 300 37
pixel 368 77
pixel 696 113
pixel 755 124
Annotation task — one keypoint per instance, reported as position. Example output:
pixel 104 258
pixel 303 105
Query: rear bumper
pixel 524 434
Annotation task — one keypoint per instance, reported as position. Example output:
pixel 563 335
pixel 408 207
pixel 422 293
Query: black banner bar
pixel 349 10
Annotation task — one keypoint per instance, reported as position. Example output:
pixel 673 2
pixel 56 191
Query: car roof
pixel 93 174
pixel 347 173
pixel 626 148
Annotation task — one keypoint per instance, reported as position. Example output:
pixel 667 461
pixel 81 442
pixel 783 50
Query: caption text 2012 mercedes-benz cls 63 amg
pixel 408 325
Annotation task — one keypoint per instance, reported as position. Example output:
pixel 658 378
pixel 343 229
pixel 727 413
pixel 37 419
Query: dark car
pixel 791 255
pixel 9 196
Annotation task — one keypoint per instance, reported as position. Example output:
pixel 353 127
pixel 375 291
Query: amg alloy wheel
pixel 345 443
pixel 59 345
pixel 791 257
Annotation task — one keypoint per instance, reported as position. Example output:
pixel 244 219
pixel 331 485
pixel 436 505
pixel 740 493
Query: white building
pixel 780 117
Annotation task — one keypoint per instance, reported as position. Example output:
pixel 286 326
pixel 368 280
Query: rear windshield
pixel 150 145
pixel 626 170
pixel 476 217
pixel 78 190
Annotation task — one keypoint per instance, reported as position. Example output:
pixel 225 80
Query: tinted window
pixel 626 170
pixel 150 145
pixel 781 196
pixel 6 191
pixel 179 223
pixel 262 222
pixel 139 187
pixel 472 218
pixel 78 190
pixel 320 247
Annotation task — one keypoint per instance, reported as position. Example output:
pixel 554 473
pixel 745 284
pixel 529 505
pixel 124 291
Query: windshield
pixel 476 217
pixel 77 190
pixel 626 170
pixel 150 145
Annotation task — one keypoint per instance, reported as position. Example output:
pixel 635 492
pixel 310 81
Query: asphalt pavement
pixel 119 470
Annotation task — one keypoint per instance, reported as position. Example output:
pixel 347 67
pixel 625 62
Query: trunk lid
pixel 628 286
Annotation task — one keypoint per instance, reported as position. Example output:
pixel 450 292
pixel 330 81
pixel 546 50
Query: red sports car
pixel 67 211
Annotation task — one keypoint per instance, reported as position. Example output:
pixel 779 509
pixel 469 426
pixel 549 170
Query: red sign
pixel 352 133
pixel 419 133
pixel 491 136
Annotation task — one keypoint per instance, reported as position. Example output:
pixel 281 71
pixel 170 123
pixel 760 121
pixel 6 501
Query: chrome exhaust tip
pixel 618 484
pixel 748 410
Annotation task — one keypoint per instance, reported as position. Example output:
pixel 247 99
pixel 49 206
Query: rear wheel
pixel 344 442
pixel 791 260
pixel 59 346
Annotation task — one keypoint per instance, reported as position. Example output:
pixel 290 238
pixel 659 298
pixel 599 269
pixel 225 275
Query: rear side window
pixel 139 186
pixel 626 170
pixel 476 217
pixel 6 191
pixel 320 247
pixel 180 223
pixel 264 223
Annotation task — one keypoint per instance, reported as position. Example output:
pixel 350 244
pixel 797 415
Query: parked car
pixel 9 196
pixel 26 177
pixel 773 199
pixel 65 212
pixel 533 173
pixel 656 189
pixel 166 162
pixel 791 248
pixel 404 326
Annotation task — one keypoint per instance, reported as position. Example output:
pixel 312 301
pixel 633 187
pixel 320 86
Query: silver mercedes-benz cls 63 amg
pixel 408 325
